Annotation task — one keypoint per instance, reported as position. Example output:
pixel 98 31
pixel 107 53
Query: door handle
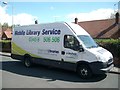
pixel 63 52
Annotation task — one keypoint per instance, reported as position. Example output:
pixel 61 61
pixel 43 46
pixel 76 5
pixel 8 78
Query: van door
pixel 70 50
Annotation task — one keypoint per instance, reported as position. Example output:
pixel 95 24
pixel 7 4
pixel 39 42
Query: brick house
pixel 6 35
pixel 107 28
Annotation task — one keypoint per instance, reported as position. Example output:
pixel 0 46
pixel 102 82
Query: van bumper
pixel 100 67
pixel 108 68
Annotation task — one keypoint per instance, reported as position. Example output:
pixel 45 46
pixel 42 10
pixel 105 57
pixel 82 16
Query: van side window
pixel 71 42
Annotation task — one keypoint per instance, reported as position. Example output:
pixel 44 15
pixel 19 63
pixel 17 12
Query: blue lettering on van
pixel 53 51
pixel 51 32
pixel 30 32
pixel 71 53
pixel 27 32
pixel 19 32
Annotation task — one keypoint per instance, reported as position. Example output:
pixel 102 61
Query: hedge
pixel 112 45
pixel 5 45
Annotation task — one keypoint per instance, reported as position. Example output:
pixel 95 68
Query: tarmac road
pixel 15 75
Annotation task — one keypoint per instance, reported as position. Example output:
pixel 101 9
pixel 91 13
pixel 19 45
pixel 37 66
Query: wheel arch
pixel 26 55
pixel 27 59
pixel 82 63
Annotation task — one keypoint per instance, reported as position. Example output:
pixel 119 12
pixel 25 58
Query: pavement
pixel 115 70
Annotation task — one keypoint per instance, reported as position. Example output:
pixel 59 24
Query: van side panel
pixel 43 42
pixel 49 62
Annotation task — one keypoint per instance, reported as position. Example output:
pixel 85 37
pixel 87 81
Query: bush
pixel 5 45
pixel 112 45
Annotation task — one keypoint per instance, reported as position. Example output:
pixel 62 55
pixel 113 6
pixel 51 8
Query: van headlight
pixel 99 58
pixel 102 60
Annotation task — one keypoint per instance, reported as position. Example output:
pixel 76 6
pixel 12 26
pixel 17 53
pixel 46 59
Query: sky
pixel 25 13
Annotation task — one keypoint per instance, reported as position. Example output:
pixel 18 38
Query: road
pixel 15 75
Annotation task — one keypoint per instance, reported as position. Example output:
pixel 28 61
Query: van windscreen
pixel 88 41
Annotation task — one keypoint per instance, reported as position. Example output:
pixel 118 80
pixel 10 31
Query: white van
pixel 60 44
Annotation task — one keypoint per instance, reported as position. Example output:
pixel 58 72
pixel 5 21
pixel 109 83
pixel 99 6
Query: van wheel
pixel 84 71
pixel 27 61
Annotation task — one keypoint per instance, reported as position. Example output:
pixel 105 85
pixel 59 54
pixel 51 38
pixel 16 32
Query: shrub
pixel 5 45
pixel 112 45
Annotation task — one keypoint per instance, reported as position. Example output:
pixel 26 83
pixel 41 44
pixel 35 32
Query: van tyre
pixel 84 71
pixel 27 62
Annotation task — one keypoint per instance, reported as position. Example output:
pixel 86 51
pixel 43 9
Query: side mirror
pixel 81 48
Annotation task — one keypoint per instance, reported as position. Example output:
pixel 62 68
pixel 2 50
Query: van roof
pixel 78 30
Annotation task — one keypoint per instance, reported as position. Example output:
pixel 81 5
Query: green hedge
pixel 112 45
pixel 5 41
pixel 5 45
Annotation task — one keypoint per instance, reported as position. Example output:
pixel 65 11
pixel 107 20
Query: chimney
pixel 76 20
pixel 36 22
pixel 117 18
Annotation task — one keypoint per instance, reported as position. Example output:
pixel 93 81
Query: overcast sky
pixel 25 13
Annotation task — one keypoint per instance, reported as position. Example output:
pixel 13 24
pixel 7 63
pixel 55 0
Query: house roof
pixel 106 28
pixel 8 33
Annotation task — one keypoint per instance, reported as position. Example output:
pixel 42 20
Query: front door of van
pixel 70 51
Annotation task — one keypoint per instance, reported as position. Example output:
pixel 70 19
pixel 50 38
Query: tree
pixel 5 26
pixel 112 16
pixel 0 26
